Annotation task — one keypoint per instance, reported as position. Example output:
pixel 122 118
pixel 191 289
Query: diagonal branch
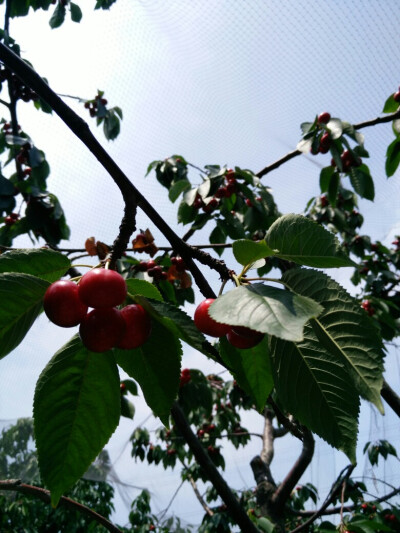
pixel 234 507
pixel 295 153
pixel 44 495
pixel 390 397
pixel 130 193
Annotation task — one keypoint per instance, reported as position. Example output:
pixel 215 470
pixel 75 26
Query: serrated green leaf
pixel 247 251
pixel 156 367
pixel 44 263
pixel 314 388
pixel 265 309
pixel 218 236
pixel 392 157
pixel 177 188
pixel 333 188
pixel 344 330
pixel 362 182
pixel 305 242
pixel 76 408
pixel 21 298
pixel 179 323
pixel 127 408
pixel 143 288
pixel 251 369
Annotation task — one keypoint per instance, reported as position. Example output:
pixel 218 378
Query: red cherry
pixel 102 288
pixel 243 342
pixel 180 264
pixel 206 324
pixel 138 327
pixel 324 118
pixel 249 203
pixel 396 96
pixel 102 329
pixel 62 304
pixel 325 143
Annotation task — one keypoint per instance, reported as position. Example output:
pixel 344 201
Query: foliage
pixel 317 337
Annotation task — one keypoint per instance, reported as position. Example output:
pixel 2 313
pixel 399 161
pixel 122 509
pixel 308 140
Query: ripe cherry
pixel 102 329
pixel 324 118
pixel 62 304
pixel 249 203
pixel 206 324
pixel 396 96
pixel 249 340
pixel 138 327
pixel 102 288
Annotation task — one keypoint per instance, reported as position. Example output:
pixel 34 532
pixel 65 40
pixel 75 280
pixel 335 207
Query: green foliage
pixel 77 395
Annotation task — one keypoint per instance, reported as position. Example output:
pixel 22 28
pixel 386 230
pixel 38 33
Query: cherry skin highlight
pixel 62 304
pixel 100 288
pixel 102 329
pixel 138 327
pixel 206 324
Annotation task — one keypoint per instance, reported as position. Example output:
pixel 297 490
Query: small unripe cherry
pixel 205 323
pixel 62 304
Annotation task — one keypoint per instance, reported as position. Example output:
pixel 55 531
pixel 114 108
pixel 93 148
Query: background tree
pixel 243 209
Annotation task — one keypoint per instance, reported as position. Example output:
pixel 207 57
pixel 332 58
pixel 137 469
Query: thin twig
pixel 44 495
pixel 295 153
pixel 200 497
pixel 171 500
pixel 343 476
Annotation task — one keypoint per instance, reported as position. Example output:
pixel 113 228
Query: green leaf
pixel 333 188
pixel 6 187
pixel 362 182
pixel 76 407
pixel 335 127
pixel 218 236
pixel 44 263
pixel 344 330
pixel 392 157
pixel 325 177
pixel 391 106
pixel 111 126
pixel 127 408
pixel 156 367
pixel 21 298
pixel 251 369
pixel 178 322
pixel 58 16
pixel 76 13
pixel 186 213
pixel 247 251
pixel 143 288
pixel 314 387
pixel 299 239
pixel 265 309
pixel 177 188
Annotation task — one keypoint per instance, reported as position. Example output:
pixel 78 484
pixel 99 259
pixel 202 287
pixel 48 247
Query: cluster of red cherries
pixel 239 336
pixel 67 304
pixel 93 105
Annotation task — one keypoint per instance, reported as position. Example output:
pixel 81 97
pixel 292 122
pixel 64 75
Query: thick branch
pixel 130 193
pixel 391 397
pixel 234 507
pixel 282 493
pixel 44 495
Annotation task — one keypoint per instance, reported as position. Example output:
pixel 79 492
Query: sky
pixel 225 82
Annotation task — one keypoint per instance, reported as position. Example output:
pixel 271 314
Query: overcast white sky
pixel 220 83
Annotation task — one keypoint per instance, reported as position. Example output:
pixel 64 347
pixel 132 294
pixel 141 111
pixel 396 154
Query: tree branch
pixel 392 399
pixel 44 495
pixel 225 493
pixel 343 476
pixel 295 153
pixel 282 493
pixel 130 193
pixel 200 497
